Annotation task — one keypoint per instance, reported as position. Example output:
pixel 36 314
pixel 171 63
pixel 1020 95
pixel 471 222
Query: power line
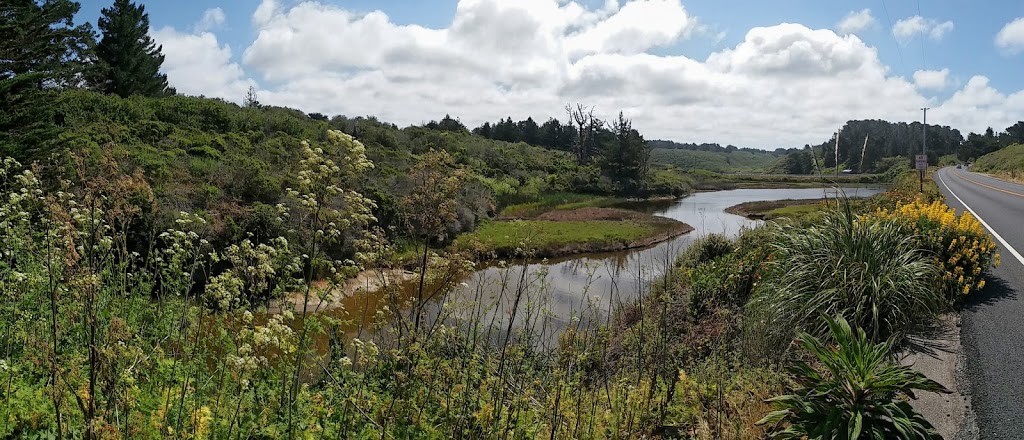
pixel 898 50
pixel 924 64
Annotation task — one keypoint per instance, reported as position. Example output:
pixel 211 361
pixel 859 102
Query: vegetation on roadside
pixel 1007 162
pixel 854 393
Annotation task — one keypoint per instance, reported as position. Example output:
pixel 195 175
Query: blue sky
pixel 685 70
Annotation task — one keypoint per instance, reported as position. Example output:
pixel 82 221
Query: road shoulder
pixel 940 357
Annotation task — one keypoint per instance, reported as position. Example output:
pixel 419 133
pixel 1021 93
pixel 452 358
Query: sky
pixel 750 73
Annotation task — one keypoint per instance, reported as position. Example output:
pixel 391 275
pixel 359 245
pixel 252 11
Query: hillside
pixel 1008 161
pixel 234 164
pixel 736 161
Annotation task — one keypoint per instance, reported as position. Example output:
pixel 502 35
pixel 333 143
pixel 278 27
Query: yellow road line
pixel 986 186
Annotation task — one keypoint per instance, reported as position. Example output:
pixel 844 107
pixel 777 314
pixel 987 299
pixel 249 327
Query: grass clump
pixel 869 271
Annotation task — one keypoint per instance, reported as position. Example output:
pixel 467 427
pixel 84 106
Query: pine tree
pixel 129 59
pixel 41 38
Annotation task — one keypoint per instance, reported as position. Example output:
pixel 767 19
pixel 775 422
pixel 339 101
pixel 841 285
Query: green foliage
pixel 41 38
pixel 948 160
pixel 857 393
pixel 706 249
pixel 738 161
pixel 25 123
pixel 1007 161
pixel 547 238
pixel 871 272
pixel 129 60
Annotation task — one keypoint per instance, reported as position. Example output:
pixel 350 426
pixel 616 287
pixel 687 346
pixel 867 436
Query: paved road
pixel 993 322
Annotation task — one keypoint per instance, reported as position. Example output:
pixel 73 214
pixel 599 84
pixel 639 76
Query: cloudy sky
pixel 745 72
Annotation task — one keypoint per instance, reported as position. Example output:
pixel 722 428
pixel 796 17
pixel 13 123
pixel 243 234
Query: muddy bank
pixel 367 281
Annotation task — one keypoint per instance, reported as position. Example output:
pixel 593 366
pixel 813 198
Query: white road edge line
pixel 975 214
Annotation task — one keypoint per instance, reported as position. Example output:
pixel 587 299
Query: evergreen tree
pixel 25 122
pixel 129 59
pixel 42 38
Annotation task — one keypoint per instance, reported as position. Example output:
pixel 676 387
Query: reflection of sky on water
pixel 590 284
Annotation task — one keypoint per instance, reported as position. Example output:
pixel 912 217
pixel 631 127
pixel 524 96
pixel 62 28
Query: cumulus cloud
pixel 931 79
pixel 197 64
pixel 791 84
pixel 1011 36
pixel 213 18
pixel 856 22
pixel 909 27
pixel 781 86
pixel 978 106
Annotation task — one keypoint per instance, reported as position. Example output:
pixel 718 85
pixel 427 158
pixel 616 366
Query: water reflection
pixel 586 286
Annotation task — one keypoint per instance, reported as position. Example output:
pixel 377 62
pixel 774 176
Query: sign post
pixel 921 163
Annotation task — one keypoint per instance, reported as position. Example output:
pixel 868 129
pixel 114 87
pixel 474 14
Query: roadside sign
pixel 921 162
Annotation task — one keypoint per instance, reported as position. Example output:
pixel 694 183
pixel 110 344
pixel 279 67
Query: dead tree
pixel 583 118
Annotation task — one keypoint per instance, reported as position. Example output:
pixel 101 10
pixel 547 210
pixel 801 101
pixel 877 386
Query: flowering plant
pixel 960 244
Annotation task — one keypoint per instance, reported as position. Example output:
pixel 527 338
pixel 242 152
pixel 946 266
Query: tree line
pixel 614 146
pixel 870 146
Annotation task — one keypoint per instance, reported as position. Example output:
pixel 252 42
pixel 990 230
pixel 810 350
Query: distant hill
pixel 713 157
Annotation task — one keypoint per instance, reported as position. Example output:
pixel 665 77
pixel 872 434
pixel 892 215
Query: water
pixel 551 293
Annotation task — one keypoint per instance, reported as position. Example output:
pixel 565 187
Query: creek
pixel 548 295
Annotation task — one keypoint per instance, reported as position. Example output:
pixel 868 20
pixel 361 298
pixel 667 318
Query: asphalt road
pixel 993 321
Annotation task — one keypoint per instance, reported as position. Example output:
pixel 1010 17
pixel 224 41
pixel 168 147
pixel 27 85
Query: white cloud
pixel 196 64
pixel 781 86
pixel 978 106
pixel 931 79
pixel 856 22
pixel 909 27
pixel 213 18
pixel 1011 36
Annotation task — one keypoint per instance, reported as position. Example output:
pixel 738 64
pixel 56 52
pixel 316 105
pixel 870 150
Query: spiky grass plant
pixel 870 272
pixel 855 394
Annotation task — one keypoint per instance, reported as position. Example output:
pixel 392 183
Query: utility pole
pixel 924 143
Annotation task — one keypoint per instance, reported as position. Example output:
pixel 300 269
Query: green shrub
pixel 714 283
pixel 870 272
pixel 204 151
pixel 856 394
pixel 706 249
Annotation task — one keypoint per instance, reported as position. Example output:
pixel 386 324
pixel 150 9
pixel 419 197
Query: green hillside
pixel 1009 161
pixel 738 161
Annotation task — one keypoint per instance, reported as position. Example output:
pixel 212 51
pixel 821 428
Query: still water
pixel 548 295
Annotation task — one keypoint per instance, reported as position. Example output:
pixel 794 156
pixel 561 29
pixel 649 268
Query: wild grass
pixel 556 201
pixel 553 238
pixel 870 272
